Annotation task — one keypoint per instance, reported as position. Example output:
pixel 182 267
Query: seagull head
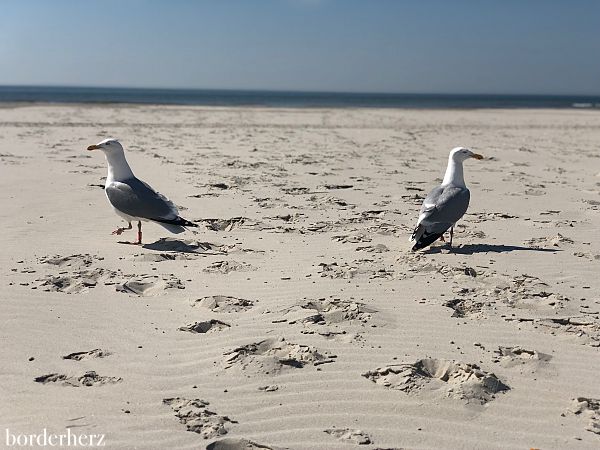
pixel 460 154
pixel 107 146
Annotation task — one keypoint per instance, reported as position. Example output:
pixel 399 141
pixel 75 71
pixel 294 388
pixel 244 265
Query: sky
pixel 399 46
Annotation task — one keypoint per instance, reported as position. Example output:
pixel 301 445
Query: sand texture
pixel 295 315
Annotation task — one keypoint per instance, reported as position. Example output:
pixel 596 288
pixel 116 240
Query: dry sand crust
pixel 296 316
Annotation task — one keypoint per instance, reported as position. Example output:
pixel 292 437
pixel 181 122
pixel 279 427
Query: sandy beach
pixel 296 316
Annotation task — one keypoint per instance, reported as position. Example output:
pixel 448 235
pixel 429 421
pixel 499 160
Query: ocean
pixel 205 97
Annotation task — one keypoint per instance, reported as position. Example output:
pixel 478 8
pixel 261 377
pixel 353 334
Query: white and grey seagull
pixel 134 200
pixel 445 204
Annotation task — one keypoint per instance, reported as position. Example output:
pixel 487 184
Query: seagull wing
pixel 441 209
pixel 444 205
pixel 137 199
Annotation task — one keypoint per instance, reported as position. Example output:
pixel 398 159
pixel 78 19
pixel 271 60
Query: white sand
pixel 370 353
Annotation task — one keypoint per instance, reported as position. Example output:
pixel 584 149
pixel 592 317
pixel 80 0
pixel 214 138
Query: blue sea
pixel 11 94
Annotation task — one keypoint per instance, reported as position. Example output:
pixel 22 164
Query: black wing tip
pixel 426 240
pixel 178 221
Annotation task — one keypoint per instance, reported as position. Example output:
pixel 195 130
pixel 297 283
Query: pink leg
pixel 139 236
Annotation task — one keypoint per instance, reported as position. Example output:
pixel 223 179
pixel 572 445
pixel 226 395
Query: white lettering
pixel 10 438
pixel 69 434
pixel 81 439
pixel 47 439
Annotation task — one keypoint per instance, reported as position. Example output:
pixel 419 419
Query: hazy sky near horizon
pixel 425 46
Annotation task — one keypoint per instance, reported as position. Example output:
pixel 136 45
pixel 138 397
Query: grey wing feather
pixel 135 198
pixel 445 204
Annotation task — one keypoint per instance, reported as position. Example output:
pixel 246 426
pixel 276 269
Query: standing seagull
pixel 445 204
pixel 132 199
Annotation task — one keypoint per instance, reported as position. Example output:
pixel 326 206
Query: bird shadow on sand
pixel 179 246
pixel 470 249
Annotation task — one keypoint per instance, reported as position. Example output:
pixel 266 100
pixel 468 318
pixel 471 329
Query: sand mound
pixel 197 418
pixel 208 326
pixel 224 303
pixel 150 285
pixel 96 353
pixel 335 310
pixel 457 380
pixel 90 378
pixel 237 444
pixel 589 408
pixel 271 356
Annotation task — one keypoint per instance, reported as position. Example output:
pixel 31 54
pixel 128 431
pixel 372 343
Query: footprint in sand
pixel 208 326
pixel 197 418
pixel 378 248
pixel 74 274
pixel 72 261
pixel 549 241
pixel 274 355
pixel 464 307
pixel 224 303
pixel 96 353
pixel 328 202
pixel 326 316
pixel 359 268
pixel 352 238
pixel 9 158
pixel 75 283
pixel 230 224
pixel 524 292
pixel 588 408
pixel 519 356
pixel 90 378
pixel 453 379
pixel 585 328
pixel 485 216
pixel 226 267
pixel 150 285
pixel 349 435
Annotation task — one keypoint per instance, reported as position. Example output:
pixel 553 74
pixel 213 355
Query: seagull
pixel 132 199
pixel 445 204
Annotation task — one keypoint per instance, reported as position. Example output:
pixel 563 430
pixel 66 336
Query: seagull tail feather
pixel 426 239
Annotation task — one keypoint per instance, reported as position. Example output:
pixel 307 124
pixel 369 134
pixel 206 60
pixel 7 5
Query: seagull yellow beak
pixel 475 155
pixel 94 147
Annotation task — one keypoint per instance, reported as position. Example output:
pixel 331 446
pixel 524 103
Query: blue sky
pixel 425 46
